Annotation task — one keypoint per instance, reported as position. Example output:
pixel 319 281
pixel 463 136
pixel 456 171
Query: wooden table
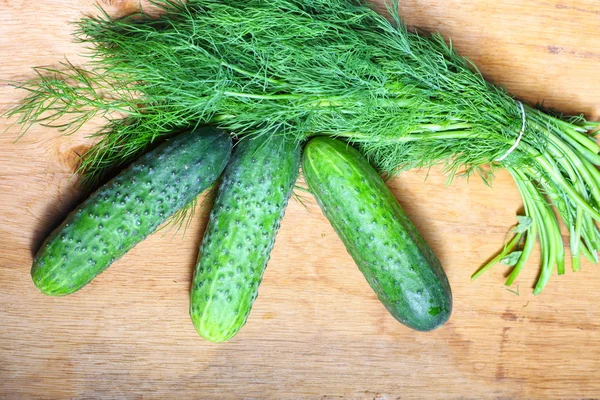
pixel 316 330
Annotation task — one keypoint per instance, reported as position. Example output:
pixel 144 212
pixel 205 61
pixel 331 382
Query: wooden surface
pixel 316 330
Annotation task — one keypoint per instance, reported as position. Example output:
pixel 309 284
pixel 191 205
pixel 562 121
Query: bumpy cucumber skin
pixel 240 234
pixel 131 206
pixel 386 246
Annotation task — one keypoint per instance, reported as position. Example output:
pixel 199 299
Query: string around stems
pixel 516 143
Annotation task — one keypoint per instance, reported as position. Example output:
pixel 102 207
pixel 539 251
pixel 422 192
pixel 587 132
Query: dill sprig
pixel 324 67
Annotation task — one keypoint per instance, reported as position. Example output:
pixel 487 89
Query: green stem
pixel 550 221
pixel 575 237
pixel 263 96
pixel 526 252
pixel 574 168
pixel 549 234
pixel 560 139
pixel 594 173
pixel 531 235
pixel 358 137
pixel 570 130
pixel 580 170
pixel 565 209
pixel 240 70
pixel 562 182
pixel 507 249
pixel 592 257
pixel 445 127
pixel 221 117
pixel 591 238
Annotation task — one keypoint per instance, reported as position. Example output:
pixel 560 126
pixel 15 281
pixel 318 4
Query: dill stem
pixel 575 237
pixel 538 213
pixel 263 96
pixel 578 172
pixel 550 225
pixel 507 249
pixel 589 238
pixel 243 71
pixel 445 127
pixel 336 101
pixel 594 237
pixel 568 131
pixel 530 239
pixel 590 154
pixel 526 252
pixel 591 256
pixel 594 173
pixel 563 208
pixel 557 176
pixel 590 126
pixel 221 117
pixel 358 137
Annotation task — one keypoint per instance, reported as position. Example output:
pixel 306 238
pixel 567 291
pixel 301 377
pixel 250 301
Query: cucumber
pixel 395 260
pixel 240 234
pixel 124 211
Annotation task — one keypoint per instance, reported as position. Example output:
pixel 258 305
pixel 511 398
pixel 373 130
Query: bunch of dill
pixel 324 67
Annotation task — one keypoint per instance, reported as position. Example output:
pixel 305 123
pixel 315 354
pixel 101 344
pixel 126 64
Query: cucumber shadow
pixel 203 209
pixel 56 213
pixel 415 205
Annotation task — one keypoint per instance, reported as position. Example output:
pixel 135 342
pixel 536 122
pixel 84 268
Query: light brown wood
pixel 316 330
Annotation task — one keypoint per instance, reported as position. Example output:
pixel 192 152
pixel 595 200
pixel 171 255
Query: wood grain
pixel 316 330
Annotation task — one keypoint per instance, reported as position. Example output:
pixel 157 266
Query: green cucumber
pixel 395 260
pixel 124 211
pixel 240 234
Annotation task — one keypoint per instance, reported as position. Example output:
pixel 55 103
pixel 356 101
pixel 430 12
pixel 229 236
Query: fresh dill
pixel 323 67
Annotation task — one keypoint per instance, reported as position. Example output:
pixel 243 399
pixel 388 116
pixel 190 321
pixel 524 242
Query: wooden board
pixel 316 330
